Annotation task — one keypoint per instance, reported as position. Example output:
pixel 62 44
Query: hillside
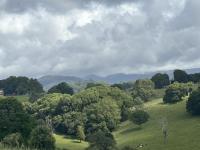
pixel 183 129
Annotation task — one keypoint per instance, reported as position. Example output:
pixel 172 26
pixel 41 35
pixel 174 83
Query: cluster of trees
pixel 20 86
pixel 18 128
pixel 177 91
pixel 182 77
pixel 96 108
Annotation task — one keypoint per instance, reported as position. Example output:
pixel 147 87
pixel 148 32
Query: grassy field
pixel 182 128
pixel 21 98
pixel 69 144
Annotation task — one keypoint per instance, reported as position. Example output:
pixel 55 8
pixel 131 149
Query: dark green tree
pixel 101 141
pixel 193 103
pixel 62 88
pixel 42 138
pixel 160 80
pixel 181 76
pixel 14 119
pixel 139 117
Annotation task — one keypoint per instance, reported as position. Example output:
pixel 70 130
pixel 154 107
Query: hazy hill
pixel 49 81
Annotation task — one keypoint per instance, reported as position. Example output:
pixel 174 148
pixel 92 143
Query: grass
pixel 183 129
pixel 70 144
pixel 21 98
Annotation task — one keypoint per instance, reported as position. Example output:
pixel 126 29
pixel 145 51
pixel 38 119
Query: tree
pixel 80 133
pixel 42 138
pixel 106 111
pixel 193 103
pixel 143 89
pixel 175 92
pixel 139 117
pixel 160 80
pixel 181 76
pixel 62 88
pixel 101 141
pixel 14 119
pixel 20 86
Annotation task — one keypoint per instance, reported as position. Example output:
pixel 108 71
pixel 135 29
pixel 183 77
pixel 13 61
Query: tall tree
pixel 160 80
pixel 181 76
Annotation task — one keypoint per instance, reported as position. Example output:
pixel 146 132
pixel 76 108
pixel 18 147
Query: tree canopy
pixel 62 88
pixel 160 80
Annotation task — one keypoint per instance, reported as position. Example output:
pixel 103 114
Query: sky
pixel 82 37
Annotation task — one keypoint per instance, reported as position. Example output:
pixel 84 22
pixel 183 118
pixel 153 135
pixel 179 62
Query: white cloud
pixel 98 38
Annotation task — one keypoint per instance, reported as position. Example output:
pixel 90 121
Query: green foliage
pixel 62 88
pixel 181 76
pixel 93 84
pixel 14 119
pixel 42 138
pixel 176 91
pixel 80 133
pixel 139 117
pixel 143 89
pixel 20 86
pixel 101 141
pixel 160 80
pixel 105 111
pixel 124 86
pixel 46 105
pixel 13 140
pixel 193 103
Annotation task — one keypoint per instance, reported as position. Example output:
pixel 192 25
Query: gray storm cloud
pixel 77 37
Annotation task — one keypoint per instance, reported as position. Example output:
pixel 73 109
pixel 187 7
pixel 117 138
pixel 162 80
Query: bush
pixel 193 103
pixel 139 117
pixel 42 138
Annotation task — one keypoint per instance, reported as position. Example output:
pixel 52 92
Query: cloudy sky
pixel 81 37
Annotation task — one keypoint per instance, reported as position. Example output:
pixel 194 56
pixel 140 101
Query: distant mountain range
pixel 51 80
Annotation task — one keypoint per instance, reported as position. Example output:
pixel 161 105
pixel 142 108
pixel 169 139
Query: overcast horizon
pixel 101 37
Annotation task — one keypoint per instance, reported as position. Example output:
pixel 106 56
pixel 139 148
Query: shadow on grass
pixel 130 130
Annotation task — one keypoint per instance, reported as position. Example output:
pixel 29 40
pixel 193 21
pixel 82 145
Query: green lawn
pixel 21 98
pixel 69 144
pixel 183 129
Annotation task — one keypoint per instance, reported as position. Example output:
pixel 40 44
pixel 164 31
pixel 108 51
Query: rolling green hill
pixel 183 130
